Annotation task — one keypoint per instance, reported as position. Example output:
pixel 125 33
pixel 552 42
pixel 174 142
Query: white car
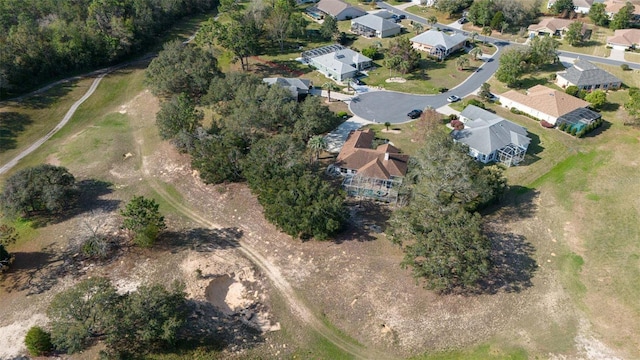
pixel 453 98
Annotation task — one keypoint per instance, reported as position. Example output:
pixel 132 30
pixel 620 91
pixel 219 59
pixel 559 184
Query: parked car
pixel 453 98
pixel 462 20
pixel 402 16
pixel 493 97
pixel 414 114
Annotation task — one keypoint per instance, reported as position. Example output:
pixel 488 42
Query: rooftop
pixel 383 162
pixel 546 100
pixel 375 22
pixel 435 37
pixel 585 73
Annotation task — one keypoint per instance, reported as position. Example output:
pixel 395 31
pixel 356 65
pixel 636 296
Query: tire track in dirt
pixel 272 272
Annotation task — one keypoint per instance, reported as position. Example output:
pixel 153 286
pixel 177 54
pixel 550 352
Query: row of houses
pixel 612 7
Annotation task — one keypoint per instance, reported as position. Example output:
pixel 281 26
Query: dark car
pixel 462 20
pixel 414 114
pixel 402 16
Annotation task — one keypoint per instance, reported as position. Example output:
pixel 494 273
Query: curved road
pixel 391 106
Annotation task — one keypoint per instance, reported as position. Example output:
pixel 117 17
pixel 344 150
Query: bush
pixel 453 117
pixel 475 102
pixel 38 341
pixel 562 126
pixel 546 124
pixel 572 90
pixel 342 114
pixel 625 67
pixel 442 90
pixel 573 131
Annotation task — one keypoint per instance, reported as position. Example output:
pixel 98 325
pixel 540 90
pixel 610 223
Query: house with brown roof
pixel 552 27
pixel 368 172
pixel 542 102
pixel 340 9
pixel 624 39
pixel 612 7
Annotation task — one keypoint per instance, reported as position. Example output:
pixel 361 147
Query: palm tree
pixel 462 62
pixel 486 31
pixel 432 20
pixel 473 35
pixel 476 52
pixel 330 86
pixel 317 144
pixel 387 125
pixel 503 26
pixel 418 27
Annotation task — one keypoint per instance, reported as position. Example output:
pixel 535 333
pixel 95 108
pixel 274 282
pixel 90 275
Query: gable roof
pixel 289 82
pixel 435 38
pixel 585 73
pixel 335 7
pixel 375 22
pixel 626 37
pixel 488 132
pixel 551 24
pixel 546 100
pixel 382 162
pixel 341 61
pixel 383 14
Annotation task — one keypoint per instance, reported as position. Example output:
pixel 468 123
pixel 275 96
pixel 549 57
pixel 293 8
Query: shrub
pixel 476 102
pixel 581 133
pixel 453 117
pixel 442 90
pixel 625 67
pixel 370 52
pixel 572 90
pixel 38 341
pixel 562 126
pixel 546 124
pixel 574 131
pixel 457 124
pixel 342 114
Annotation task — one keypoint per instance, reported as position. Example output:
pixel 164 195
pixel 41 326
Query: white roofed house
pixel 438 43
pixel 491 138
pixel 340 9
pixel 587 76
pixel 372 25
pixel 336 61
pixel 299 88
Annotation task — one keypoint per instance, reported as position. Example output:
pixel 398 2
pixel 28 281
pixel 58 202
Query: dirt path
pixel 271 271
pixel 6 167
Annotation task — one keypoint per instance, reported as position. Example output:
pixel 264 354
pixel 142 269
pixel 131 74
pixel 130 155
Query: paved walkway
pixel 338 136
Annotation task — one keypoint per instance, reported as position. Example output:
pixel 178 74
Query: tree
pixel 217 157
pixel 476 52
pixel 598 14
pixel 512 66
pixel 574 33
pixel 561 6
pixel 329 28
pixel 452 6
pixel 473 35
pixel 462 62
pixel 313 119
pixel 241 36
pixel 542 50
pixel 486 31
pixel 278 21
pixel 497 20
pixel 485 91
pixel 370 52
pixel 431 20
pixel 481 12
pixel 8 236
pixel 418 28
pixel 298 26
pixel 38 341
pixel 572 90
pixel 317 144
pixel 447 251
pixel 178 116
pixel 181 68
pixel 401 56
pixel 503 26
pixel 622 19
pixel 597 98
pixel 146 320
pixel 633 105
pixel 387 125
pixel 79 315
pixel 330 86
pixel 44 189
pixel 143 219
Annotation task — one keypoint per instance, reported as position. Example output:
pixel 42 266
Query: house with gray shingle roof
pixel 336 61
pixel 372 25
pixel 299 88
pixel 587 76
pixel 438 43
pixel 340 9
pixel 491 137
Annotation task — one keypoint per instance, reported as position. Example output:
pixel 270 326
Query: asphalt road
pixel 391 106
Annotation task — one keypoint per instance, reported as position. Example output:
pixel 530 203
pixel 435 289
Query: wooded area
pixel 45 39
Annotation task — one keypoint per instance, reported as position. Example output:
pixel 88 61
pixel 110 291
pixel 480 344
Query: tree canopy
pixel 181 68
pixel 45 39
pixel 178 120
pixel 401 56
pixel 512 66
pixel 622 19
pixel 142 217
pixel 42 189
pixel 598 14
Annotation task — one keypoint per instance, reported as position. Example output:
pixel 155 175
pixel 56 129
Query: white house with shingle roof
pixel 336 61
pixel 372 25
pixel 542 102
pixel 491 137
pixel 340 9
pixel 552 27
pixel 587 76
pixel 438 43
pixel 624 39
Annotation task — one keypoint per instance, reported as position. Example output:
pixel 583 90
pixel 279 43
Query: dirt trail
pixel 271 271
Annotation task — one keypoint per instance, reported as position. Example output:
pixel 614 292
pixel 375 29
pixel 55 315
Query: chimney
pixel 386 156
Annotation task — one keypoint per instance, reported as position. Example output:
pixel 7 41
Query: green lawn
pixel 632 56
pixel 595 46
pixel 426 12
